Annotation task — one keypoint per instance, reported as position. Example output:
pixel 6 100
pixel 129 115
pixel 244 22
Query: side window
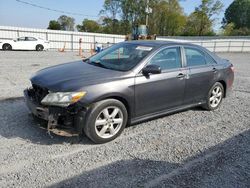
pixel 21 39
pixel 31 39
pixel 194 57
pixel 169 58
pixel 210 60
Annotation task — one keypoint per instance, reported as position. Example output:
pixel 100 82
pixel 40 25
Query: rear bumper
pixel 46 46
pixel 61 121
pixel 230 82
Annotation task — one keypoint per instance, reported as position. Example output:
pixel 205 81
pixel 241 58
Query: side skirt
pixel 162 113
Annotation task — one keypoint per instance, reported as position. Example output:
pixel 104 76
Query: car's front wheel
pixel 7 47
pixel 105 121
pixel 215 96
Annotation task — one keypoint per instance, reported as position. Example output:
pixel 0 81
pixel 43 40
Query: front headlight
pixel 62 99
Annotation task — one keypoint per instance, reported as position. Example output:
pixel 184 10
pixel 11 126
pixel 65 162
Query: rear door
pixel 201 75
pixel 158 92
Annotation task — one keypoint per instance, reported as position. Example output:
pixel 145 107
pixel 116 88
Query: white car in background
pixel 25 43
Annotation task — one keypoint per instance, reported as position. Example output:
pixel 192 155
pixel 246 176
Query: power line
pixel 55 10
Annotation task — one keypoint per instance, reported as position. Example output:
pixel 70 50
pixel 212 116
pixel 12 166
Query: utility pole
pixel 147 12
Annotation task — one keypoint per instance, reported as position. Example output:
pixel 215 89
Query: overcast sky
pixel 14 13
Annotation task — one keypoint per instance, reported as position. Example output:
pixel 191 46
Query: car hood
pixel 73 76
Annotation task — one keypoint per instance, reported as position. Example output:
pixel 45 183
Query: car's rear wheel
pixel 105 121
pixel 7 47
pixel 39 47
pixel 215 96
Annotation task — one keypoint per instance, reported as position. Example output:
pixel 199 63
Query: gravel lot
pixel 193 148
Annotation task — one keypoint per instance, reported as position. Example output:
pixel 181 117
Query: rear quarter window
pixel 210 60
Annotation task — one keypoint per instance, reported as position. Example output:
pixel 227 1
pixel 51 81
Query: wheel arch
pixel 123 101
pixel 224 87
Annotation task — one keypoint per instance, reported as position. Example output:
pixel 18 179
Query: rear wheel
pixel 39 47
pixel 105 121
pixel 214 97
pixel 7 47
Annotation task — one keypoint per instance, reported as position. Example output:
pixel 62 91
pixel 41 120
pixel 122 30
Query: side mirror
pixel 151 69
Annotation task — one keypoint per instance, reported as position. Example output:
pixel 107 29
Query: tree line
pixel 166 18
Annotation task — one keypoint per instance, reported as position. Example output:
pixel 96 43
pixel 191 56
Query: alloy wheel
pixel 109 122
pixel 216 96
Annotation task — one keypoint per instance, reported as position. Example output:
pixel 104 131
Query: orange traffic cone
pixel 62 49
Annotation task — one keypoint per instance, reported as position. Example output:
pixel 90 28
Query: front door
pixel 19 44
pixel 158 92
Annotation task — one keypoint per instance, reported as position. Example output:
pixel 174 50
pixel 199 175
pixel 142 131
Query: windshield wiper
pixel 97 63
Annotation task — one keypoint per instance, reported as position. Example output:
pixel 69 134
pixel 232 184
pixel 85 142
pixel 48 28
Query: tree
pixel 238 13
pixel 67 23
pixel 167 18
pixel 200 22
pixel 89 26
pixel 229 29
pixel 132 13
pixel 197 26
pixel 111 26
pixel 54 25
pixel 111 8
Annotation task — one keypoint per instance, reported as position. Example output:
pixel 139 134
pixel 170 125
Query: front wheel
pixel 7 47
pixel 105 121
pixel 214 97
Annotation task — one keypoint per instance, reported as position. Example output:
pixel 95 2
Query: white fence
pixel 58 38
pixel 241 44
pixel 71 39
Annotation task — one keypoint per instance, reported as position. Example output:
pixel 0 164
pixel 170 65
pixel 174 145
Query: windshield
pixel 121 57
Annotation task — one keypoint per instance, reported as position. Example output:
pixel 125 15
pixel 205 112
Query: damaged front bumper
pixel 66 121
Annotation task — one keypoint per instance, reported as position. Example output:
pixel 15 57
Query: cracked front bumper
pixel 61 121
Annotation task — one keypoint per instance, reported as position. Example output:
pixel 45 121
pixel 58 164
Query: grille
pixel 39 93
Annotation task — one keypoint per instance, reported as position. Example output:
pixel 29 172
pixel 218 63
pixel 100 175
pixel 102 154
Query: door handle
pixel 214 70
pixel 181 75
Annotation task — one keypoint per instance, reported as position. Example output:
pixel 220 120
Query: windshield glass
pixel 121 57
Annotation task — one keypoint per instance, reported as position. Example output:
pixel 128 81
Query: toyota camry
pixel 25 43
pixel 127 83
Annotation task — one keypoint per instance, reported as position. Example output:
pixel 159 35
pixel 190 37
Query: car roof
pixel 159 43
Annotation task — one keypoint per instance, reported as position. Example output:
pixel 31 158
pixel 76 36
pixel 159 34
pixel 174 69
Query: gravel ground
pixel 193 148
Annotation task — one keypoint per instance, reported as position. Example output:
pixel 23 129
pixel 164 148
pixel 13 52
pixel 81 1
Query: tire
pixel 214 97
pixel 105 120
pixel 7 46
pixel 39 47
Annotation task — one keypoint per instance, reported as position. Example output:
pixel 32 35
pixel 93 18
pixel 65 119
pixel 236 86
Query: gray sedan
pixel 125 84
